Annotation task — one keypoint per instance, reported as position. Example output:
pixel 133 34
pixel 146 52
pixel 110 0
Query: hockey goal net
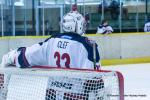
pixel 60 84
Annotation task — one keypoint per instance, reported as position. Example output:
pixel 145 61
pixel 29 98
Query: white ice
pixel 136 80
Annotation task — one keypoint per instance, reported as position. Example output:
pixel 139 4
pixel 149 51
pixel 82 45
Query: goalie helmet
pixel 74 22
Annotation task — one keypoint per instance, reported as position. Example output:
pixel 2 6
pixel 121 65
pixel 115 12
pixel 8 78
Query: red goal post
pixel 50 83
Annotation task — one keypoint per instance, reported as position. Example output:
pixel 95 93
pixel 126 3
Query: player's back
pixel 68 50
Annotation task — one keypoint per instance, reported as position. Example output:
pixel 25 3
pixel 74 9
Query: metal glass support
pixel 120 16
pixel 137 16
pixel 33 14
pixel 71 4
pixel 61 15
pixel 43 20
pixel 84 7
pixel 13 18
pixel 146 9
pixel 2 17
pixel 37 21
pixel 102 16
pixel 25 18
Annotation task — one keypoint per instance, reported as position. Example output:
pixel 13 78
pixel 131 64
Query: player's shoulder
pixel 69 36
pixel 75 37
pixel 100 26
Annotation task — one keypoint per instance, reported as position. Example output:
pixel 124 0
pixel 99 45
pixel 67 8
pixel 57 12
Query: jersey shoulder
pixel 70 36
pixel 74 37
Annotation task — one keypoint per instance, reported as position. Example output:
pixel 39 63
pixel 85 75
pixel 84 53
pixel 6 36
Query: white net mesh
pixel 58 84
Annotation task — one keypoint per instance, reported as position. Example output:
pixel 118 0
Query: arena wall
pixel 118 46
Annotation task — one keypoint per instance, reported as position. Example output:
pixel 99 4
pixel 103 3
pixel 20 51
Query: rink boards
pixel 114 48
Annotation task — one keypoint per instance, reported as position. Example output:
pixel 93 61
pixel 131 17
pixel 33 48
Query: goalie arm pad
pixel 21 60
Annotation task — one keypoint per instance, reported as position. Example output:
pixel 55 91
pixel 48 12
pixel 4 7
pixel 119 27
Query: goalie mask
pixel 74 22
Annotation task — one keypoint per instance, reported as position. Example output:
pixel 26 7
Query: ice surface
pixel 136 80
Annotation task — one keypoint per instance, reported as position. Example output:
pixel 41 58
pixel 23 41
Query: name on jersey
pixel 62 44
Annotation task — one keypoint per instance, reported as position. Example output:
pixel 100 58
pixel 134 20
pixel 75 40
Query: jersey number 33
pixel 64 57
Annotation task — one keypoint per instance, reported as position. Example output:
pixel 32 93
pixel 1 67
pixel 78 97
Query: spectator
pixel 104 3
pixel 147 26
pixel 48 28
pixel 87 19
pixel 104 28
pixel 114 7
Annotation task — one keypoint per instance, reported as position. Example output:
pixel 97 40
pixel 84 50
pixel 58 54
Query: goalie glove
pixel 9 59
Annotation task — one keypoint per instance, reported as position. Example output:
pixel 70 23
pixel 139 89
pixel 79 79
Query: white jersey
pixel 104 29
pixel 68 50
pixel 147 27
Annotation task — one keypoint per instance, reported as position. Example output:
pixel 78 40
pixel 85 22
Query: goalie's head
pixel 74 22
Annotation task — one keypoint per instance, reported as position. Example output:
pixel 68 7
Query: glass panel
pixel 6 17
pixel 24 21
pixel 129 23
pixel 47 1
pixel 92 15
pixel 1 18
pixel 29 17
pixel 148 7
pixel 51 20
pixel 48 19
pixel 19 17
pixel 110 10
pixel 141 8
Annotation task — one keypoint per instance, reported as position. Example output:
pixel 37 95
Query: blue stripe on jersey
pixel 22 59
pixel 83 40
pixel 66 37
